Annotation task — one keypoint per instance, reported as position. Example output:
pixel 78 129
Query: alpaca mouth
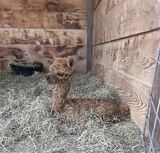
pixel 63 75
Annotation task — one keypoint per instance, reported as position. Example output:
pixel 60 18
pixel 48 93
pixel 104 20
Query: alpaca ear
pixel 70 62
pixel 54 56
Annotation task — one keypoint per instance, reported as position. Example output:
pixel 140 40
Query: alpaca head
pixel 61 69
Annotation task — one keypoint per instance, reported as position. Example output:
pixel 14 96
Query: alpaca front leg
pixel 58 105
pixel 69 114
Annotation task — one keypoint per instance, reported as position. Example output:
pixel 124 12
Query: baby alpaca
pixel 60 74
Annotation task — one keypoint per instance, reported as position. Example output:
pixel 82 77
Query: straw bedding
pixel 27 125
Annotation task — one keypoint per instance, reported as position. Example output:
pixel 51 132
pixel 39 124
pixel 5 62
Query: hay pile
pixel 26 125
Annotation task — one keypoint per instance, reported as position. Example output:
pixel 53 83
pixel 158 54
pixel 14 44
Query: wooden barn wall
pixel 125 47
pixel 37 29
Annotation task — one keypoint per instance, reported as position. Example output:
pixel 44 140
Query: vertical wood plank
pixel 89 33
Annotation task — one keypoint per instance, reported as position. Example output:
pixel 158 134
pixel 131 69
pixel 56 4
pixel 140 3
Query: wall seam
pixel 126 37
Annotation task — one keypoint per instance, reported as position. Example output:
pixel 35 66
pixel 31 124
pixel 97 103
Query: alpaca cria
pixel 60 74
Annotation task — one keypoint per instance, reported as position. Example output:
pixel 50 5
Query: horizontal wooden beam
pixel 42 19
pixel 49 5
pixel 134 56
pixel 60 37
pixel 118 19
pixel 41 53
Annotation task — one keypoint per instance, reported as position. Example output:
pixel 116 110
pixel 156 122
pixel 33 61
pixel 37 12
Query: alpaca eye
pixel 56 66
pixel 71 63
pixel 65 65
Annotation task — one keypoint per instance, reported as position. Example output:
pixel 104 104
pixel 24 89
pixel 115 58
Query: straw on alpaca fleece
pixel 26 124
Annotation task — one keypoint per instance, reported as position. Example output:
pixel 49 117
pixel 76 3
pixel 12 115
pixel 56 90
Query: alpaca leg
pixel 69 114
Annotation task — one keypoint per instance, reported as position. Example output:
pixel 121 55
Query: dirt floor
pixel 27 126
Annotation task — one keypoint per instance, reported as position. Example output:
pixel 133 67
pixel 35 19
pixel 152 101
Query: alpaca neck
pixel 61 90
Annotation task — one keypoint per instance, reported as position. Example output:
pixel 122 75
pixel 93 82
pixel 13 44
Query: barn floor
pixel 26 125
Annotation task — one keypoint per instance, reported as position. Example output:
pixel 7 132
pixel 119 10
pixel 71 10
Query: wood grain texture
pixel 121 18
pixel 128 65
pixel 42 19
pixel 125 50
pixel 41 53
pixel 96 3
pixel 132 92
pixel 134 57
pixel 35 30
pixel 49 5
pixel 42 36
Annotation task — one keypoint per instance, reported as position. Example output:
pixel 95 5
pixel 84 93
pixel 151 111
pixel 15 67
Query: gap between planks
pixel 126 37
pixel 97 5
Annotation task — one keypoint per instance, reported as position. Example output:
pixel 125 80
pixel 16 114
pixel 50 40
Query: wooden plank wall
pixel 59 25
pixel 126 36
